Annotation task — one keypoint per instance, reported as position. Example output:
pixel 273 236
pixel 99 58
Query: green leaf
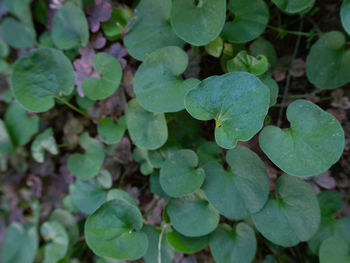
pixel 68 222
pixel 113 231
pixel 215 47
pixel 198 24
pixel 4 49
pixel 141 156
pixel 44 141
pixel 15 119
pixel 345 15
pixel 238 102
pixel 192 215
pixel 38 78
pixel 185 244
pixel 116 24
pixel 272 85
pixel 264 47
pixel 109 131
pixel 209 152
pixel 57 237
pixel 16 33
pixel 241 191
pixel 86 166
pixel 104 178
pixel 155 186
pixel 5 140
pixel 294 6
pixel 159 156
pixel 72 32
pixel 243 62
pixel 180 174
pixel 291 218
pixel 121 194
pixel 111 75
pixel 328 63
pixel 150 29
pixel 157 84
pixel 19 244
pixel 151 256
pixel 250 20
pixel 87 195
pixel 270 259
pixel 154 130
pixel 313 143
pixel 228 246
pixel 333 250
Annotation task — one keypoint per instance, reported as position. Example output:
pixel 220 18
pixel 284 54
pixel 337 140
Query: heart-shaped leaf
pixel 72 32
pixel 244 188
pixel 291 218
pixel 313 143
pixel 151 29
pixel 238 102
pixel 192 215
pixel 228 246
pixel 113 231
pixel 44 141
pixel 38 78
pixel 58 239
pixel 154 130
pixel 111 75
pixel 110 131
pixel 86 166
pixel 328 63
pixel 294 6
pixel 243 62
pixel 157 84
pixel 345 15
pixel 180 174
pixel 198 24
pixel 334 249
pixel 185 244
pixel 16 33
pixel 250 20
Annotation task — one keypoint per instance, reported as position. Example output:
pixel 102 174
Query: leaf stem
pixel 82 112
pixel 149 210
pixel 292 32
pixel 160 243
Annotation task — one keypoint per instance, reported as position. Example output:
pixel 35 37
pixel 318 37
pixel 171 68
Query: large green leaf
pixel 291 218
pixel 69 27
pixel 294 6
pixel 17 34
pixel 150 29
pixel 111 75
pixel 345 15
pixel 180 174
pixel 187 244
pixel 44 141
pixel 19 244
pixel 334 249
pixel 229 246
pixel 313 143
pixel 328 63
pixel 38 78
pixel 198 24
pixel 86 166
pixel 57 241
pixel 238 102
pixel 241 191
pixel 113 231
pixel 154 130
pixel 250 20
pixel 111 132
pixel 192 215
pixel 157 84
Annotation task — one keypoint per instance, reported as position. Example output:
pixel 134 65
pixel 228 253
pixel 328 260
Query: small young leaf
pixel 334 249
pixel 109 131
pixel 38 78
pixel 198 24
pixel 157 84
pixel 5 140
pixel 291 218
pixel 185 244
pixel 111 75
pixel 294 6
pixel 104 178
pixel 113 231
pixel 180 174
pixel 313 143
pixel 264 47
pixel 215 47
pixel 86 166
pixel 69 222
pixel 243 62
pixel 228 246
pixel 44 141
pixel 345 15
pixel 238 102
pixel 154 130
pixel 141 156
pixel 192 215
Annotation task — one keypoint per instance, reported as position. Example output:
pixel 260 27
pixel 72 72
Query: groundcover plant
pixel 174 131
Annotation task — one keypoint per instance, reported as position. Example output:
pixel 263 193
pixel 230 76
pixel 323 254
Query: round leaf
pixel 185 244
pixel 294 217
pixel 198 24
pixel 154 130
pixel 69 27
pixel 345 15
pixel 179 174
pixel 38 78
pixel 241 191
pixel 328 63
pixel 313 143
pixel 68 221
pixel 192 215
pixel 109 131
pixel 227 246
pixel 157 84
pixel 333 250
pixel 294 6
pixel 251 18
pixel 113 231
pixel 111 75
pixel 151 29
pixel 86 166
pixel 17 34
pixel 238 102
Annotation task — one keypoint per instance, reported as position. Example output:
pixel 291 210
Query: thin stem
pixel 121 182
pixel 306 95
pixel 149 210
pixel 82 112
pixel 160 243
pixel 298 33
